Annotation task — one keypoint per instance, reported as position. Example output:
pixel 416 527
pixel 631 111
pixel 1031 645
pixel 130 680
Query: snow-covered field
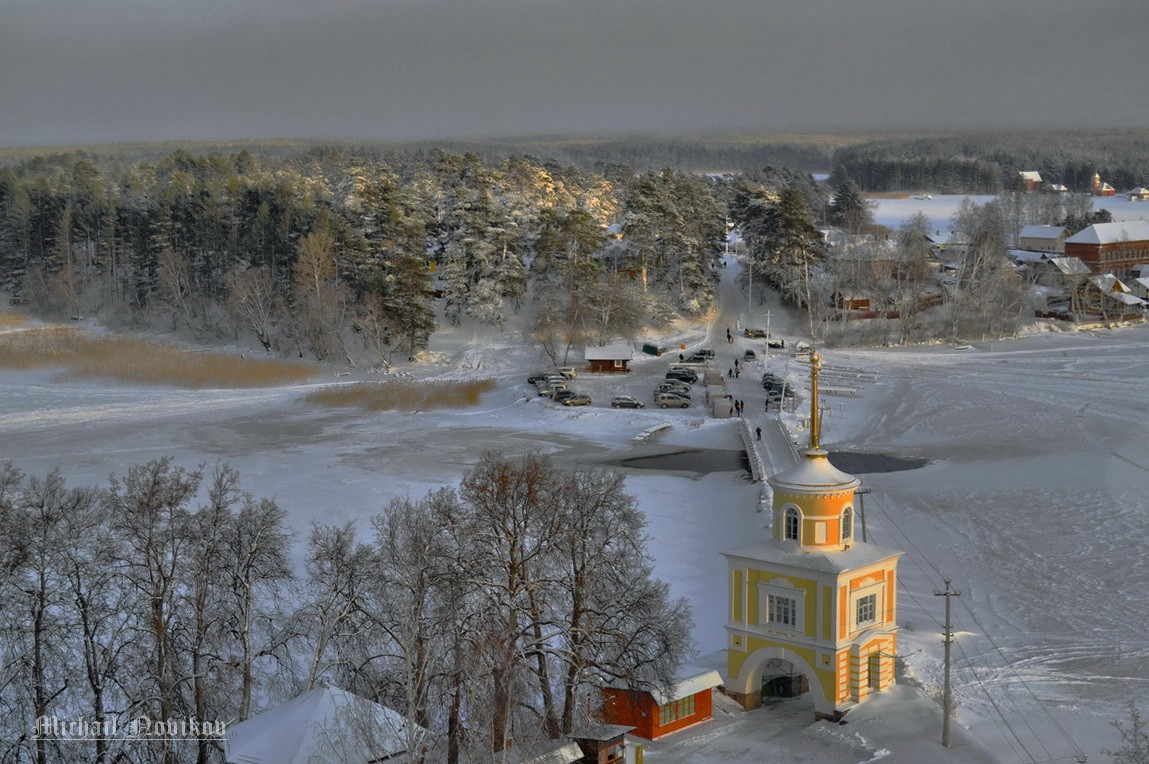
pixel 940 209
pixel 1034 504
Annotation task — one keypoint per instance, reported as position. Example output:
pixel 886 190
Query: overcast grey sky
pixel 125 70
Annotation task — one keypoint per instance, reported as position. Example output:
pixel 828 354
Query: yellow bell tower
pixel 812 609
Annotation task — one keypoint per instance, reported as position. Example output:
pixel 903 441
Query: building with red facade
pixel 654 713
pixel 1111 247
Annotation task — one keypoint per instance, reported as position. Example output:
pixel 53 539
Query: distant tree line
pixel 347 254
pixel 988 163
pixel 490 611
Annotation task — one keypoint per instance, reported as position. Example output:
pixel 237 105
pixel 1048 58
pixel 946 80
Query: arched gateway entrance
pixel 776 673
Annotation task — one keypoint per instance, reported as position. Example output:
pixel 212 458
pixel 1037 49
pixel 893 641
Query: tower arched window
pixel 793 525
pixel 847 524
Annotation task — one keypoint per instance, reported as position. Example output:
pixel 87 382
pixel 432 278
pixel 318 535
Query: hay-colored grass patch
pixel 10 320
pixel 406 396
pixel 129 359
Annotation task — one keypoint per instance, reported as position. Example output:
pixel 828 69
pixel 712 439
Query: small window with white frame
pixel 867 610
pixel 867 606
pixel 780 605
pixel 792 525
pixel 781 610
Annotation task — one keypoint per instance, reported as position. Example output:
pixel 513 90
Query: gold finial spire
pixel 815 367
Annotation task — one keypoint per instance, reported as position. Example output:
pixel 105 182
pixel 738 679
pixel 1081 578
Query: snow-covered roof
pixel 613 352
pixel 556 752
pixel 813 473
pixel 1053 232
pixel 323 722
pixel 1111 233
pixel 1031 175
pixel 691 680
pixel 1026 256
pixel 1070 266
pixel 791 554
pixel 1107 282
pixel 594 730
pixel 1142 282
pixel 1125 298
pixel 688 681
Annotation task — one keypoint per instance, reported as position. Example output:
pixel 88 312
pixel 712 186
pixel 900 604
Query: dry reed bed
pixel 10 320
pixel 129 359
pixel 407 396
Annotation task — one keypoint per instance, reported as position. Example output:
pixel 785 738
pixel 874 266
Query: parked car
pixel 684 375
pixel 559 372
pixel 693 360
pixel 705 352
pixel 675 384
pixel 561 395
pixel 578 399
pixel 776 344
pixel 756 333
pixel 548 391
pixel 626 402
pixel 780 389
pixel 672 391
pixel 543 378
pixel 749 356
pixel 670 400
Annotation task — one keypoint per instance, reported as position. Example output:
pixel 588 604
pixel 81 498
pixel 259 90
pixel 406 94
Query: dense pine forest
pixel 354 254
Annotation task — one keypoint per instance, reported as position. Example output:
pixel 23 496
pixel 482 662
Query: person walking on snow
pixel 758 433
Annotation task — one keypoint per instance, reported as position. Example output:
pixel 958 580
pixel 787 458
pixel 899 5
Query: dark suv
pixel 684 374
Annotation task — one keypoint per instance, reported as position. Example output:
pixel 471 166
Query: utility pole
pixel 766 352
pixel 947 694
pixel 750 294
pixel 861 493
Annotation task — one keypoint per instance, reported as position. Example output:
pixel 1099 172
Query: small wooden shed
pixel 601 743
pixel 654 713
pixel 610 358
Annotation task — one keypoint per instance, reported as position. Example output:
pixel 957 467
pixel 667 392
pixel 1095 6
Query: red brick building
pixel 654 713
pixel 1111 247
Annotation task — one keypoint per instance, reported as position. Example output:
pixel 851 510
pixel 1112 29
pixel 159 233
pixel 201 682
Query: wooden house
pixel 1139 194
pixel 850 301
pixel 610 358
pixel 1042 238
pixel 601 743
pixel 1111 299
pixel 654 713
pixel 1029 180
pixel 1098 187
pixel 1140 287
